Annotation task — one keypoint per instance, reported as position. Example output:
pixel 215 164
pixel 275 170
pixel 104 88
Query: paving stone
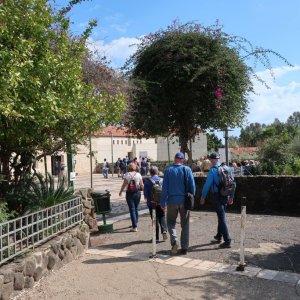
pixel 249 271
pixel 267 274
pixel 287 277
pixel 177 261
pixel 192 263
pixel 219 267
pixel 205 265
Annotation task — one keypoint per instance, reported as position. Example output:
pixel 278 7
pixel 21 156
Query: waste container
pixel 102 206
pixel 101 201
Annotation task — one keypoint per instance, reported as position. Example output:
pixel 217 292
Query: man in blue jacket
pixel 175 187
pixel 220 202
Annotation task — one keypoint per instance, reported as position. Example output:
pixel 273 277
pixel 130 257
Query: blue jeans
pixel 133 201
pixel 220 207
pixel 160 220
pixel 105 173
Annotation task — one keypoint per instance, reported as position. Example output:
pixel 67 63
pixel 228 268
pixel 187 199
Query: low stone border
pixel 23 272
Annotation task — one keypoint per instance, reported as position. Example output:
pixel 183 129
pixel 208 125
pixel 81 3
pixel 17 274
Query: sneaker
pixel 174 249
pixel 225 245
pixel 183 251
pixel 165 236
pixel 217 239
pixel 134 229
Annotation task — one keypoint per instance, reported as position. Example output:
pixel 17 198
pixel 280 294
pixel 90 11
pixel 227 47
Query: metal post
pixel 226 145
pixel 91 160
pixel 241 266
pixel 70 164
pixel 112 154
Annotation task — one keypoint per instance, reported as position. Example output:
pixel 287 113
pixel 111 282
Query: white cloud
pixel 117 50
pixel 280 101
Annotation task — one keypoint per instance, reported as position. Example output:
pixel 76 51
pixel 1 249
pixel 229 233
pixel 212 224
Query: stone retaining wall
pixel 265 194
pixel 23 272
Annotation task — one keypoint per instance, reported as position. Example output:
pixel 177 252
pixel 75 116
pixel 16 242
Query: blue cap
pixel 179 155
pixel 214 155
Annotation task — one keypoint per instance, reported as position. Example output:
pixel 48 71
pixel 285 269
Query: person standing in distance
pixel 220 202
pixel 175 186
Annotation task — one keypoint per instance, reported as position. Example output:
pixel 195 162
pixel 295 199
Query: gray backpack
pixel 227 183
pixel 156 190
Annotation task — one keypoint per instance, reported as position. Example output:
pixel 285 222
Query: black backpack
pixel 227 183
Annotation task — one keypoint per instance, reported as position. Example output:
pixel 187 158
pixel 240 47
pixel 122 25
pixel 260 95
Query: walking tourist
pixel 152 204
pixel 220 202
pixel 175 187
pixel 133 183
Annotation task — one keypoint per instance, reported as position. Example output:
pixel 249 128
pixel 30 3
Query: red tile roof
pixel 116 131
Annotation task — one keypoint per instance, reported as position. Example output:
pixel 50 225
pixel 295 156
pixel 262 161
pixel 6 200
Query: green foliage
pixel 43 193
pixel 213 142
pixel 187 77
pixel 5 214
pixel 37 192
pixel 45 103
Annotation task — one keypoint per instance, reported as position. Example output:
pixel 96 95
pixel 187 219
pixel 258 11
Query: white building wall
pixel 199 147
pixel 124 146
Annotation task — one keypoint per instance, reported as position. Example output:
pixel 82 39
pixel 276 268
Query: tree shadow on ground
pixel 286 260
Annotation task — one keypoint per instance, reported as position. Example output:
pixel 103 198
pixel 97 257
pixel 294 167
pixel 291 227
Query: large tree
pixel 189 76
pixel 45 103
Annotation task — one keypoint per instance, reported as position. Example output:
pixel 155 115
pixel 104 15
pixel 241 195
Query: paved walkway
pixel 117 265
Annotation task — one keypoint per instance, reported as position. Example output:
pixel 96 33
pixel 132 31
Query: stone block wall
pixel 89 211
pixel 264 194
pixel 23 272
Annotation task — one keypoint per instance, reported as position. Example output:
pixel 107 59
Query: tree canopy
pixel 189 76
pixel 45 101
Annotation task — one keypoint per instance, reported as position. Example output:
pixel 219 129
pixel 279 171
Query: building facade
pixel 115 142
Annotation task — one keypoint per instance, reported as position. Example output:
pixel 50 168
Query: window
pixel 121 142
pixel 118 142
pixel 126 142
pixel 113 141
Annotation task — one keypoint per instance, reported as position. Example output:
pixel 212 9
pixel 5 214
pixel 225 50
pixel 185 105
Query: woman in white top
pixel 133 183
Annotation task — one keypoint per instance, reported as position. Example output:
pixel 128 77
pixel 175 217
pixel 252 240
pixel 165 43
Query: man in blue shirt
pixel 220 202
pixel 175 187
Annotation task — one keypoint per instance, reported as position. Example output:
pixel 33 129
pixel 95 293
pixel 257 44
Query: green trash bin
pixel 102 206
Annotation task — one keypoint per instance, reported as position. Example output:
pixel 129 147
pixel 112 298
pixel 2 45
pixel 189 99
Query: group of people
pixel 177 181
pixel 121 166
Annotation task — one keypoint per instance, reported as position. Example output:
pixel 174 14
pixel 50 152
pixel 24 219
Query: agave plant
pixel 43 192
pixel 37 192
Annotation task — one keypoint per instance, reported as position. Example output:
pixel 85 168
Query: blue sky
pixel 273 24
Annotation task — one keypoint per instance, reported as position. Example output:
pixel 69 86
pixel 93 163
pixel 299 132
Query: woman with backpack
pixel 133 183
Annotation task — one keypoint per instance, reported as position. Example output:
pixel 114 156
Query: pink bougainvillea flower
pixel 219 93
pixel 218 106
